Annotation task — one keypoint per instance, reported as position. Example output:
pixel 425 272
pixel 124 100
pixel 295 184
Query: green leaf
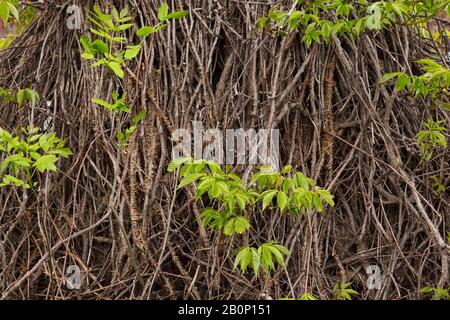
pixel 4 11
pixel 13 10
pixel 441 293
pixel 214 168
pixel 308 296
pixel 203 186
pixel 426 290
pixel 286 169
pixel 86 43
pixel 389 76
pixel 18 160
pixel 430 65
pixel 115 13
pixel 256 261
pixel 100 46
pixel 177 15
pixel 351 291
pixel 277 254
pixel 123 27
pixel 282 200
pixel 102 103
pixel 46 163
pixel 138 118
pixel 215 190
pixel 20 96
pixel 100 62
pixel 267 199
pixel 100 33
pixel 211 218
pixel 132 52
pixel 360 26
pixel 163 11
pixel 35 155
pixel 238 224
pixel 326 195
pixel 63 152
pixel 145 31
pixel 45 142
pixel 87 56
pixel 120 136
pixel 8 180
pixel 242 199
pixel 303 181
pixel 123 13
pixel 281 248
pixel 326 30
pixel 266 258
pixel 243 257
pixel 402 82
pixel 116 68
pixel 176 163
pixel 317 202
pixel 32 95
pixel 97 11
pixel 187 180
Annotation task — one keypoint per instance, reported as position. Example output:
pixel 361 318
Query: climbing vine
pixel 107 45
pixel 285 192
pixel 320 21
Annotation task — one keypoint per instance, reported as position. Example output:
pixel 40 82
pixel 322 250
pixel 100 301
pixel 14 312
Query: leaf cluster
pixel 29 152
pixel 294 193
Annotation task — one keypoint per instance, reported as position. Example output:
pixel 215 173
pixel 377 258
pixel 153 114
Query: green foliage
pixel 27 153
pixel 124 136
pixel 437 186
pixel 20 97
pixel 7 95
pixel 8 9
pixel 6 41
pixel 248 257
pixel 294 193
pixel 106 49
pixel 308 296
pixel 431 137
pixel 343 291
pixel 119 103
pixel 434 84
pixel 265 257
pixel 222 186
pixel 321 20
pixel 103 49
pixel 438 293
pixel 27 94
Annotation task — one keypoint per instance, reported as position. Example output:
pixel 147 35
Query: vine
pixel 321 20
pixel 287 191
pixel 434 84
pixel 106 49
